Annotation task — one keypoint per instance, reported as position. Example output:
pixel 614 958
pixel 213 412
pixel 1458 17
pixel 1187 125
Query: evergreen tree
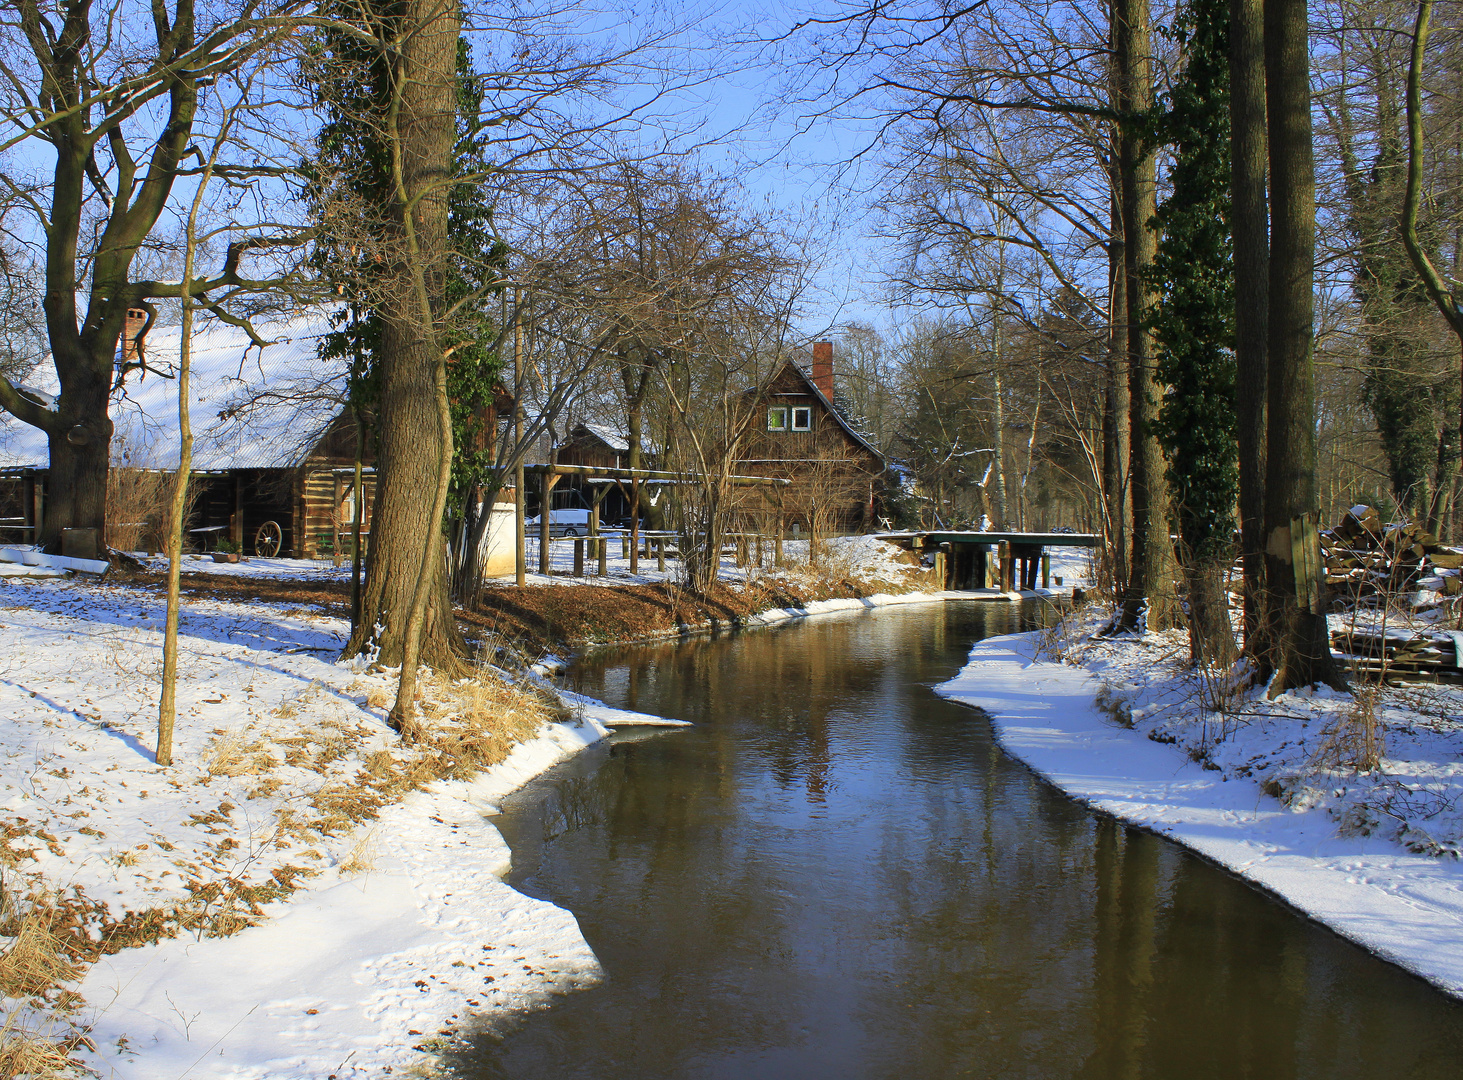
pixel 350 180
pixel 1193 322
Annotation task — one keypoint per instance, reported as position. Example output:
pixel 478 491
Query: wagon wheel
pixel 268 539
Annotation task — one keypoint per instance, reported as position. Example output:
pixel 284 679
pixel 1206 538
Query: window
pixel 802 419
pixel 777 419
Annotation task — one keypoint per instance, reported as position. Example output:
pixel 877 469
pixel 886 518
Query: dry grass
pixel 38 1035
pixel 230 755
pixel 362 857
pixel 1356 740
pixel 37 1056
pixel 36 960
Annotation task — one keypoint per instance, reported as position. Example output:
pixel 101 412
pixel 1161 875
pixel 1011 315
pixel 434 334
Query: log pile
pixel 1364 555
pixel 1405 654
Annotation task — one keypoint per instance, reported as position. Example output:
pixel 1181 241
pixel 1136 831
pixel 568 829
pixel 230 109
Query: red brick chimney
pixel 823 367
pixel 136 320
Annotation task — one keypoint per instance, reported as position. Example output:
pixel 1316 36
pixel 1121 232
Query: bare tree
pixel 115 100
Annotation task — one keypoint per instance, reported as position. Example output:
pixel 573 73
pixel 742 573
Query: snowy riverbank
pixel 1122 731
pixel 300 895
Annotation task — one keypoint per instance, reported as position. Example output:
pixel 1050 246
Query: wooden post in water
pixel 1006 567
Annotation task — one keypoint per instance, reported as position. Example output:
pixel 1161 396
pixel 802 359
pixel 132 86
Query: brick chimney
pixel 823 367
pixel 136 320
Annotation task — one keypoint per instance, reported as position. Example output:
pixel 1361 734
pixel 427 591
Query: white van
pixel 562 523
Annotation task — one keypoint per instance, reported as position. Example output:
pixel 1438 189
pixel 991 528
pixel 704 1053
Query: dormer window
pixel 802 418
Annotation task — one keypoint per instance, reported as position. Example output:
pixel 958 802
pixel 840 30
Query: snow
pixel 251 407
pixel 337 982
pixel 1124 733
pixel 399 923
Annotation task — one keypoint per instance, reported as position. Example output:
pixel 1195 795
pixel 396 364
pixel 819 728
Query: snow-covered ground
pixel 379 919
pixel 1281 792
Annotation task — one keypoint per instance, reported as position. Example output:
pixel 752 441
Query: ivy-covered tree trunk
pixel 1250 228
pixel 407 544
pixel 1194 273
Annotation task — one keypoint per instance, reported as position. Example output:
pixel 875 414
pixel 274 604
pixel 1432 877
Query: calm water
pixel 836 874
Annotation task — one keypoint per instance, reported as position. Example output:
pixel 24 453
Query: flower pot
pixel 225 556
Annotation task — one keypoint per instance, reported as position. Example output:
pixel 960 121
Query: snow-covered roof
pixel 614 438
pixel 250 408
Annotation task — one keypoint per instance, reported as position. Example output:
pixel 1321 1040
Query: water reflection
pixel 838 874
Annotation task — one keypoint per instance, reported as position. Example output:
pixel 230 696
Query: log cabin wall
pixel 796 436
pixel 309 503
pixel 322 490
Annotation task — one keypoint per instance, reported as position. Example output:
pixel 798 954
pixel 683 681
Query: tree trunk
pixel 1438 290
pixel 1150 585
pixel 1117 410
pixel 168 696
pixel 1301 653
pixel 406 543
pixel 1251 229
pixel 77 479
pixel 998 440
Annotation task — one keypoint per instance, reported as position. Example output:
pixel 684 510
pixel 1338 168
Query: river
pixel 838 874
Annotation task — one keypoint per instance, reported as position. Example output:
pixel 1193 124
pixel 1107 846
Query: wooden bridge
pixel 999 561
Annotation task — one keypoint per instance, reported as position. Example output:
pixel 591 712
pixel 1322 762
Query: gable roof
pixel 615 439
pixel 251 408
pixel 812 388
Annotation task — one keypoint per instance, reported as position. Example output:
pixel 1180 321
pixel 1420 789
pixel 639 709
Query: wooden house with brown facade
pixel 798 434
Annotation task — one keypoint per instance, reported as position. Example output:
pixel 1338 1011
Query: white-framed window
pixel 802 418
pixel 777 418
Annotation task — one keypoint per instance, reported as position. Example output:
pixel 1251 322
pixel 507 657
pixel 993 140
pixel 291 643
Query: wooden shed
pixel 273 454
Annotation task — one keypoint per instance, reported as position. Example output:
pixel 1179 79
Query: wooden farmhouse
pixel 273 456
pixel 799 435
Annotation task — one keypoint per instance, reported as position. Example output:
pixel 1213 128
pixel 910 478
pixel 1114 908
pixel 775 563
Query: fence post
pixel 546 489
pixel 579 556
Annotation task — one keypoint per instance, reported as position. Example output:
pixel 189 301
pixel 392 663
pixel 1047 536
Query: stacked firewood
pixel 1364 555
pixel 1402 653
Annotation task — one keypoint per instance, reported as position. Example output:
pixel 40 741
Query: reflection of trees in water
pixel 836 874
